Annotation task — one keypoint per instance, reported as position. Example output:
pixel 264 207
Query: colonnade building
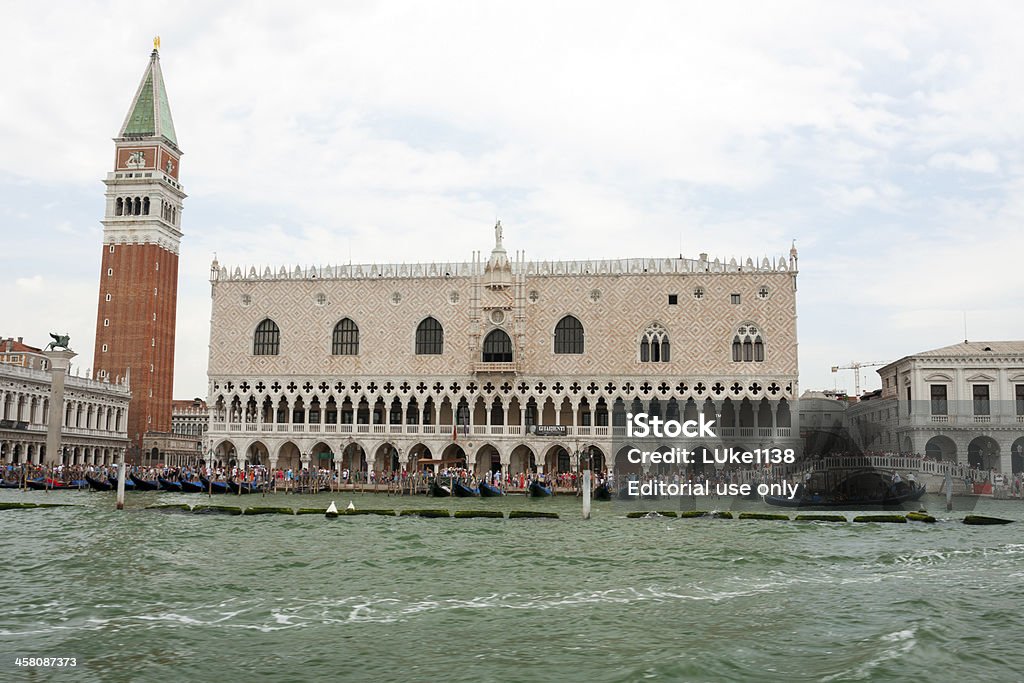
pixel 94 428
pixel 498 362
pixel 962 403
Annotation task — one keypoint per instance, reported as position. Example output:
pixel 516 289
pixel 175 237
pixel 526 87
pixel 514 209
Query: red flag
pixel 455 432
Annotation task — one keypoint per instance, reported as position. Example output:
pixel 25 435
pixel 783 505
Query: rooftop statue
pixel 60 341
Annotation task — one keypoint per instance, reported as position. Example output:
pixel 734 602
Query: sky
pixel 885 138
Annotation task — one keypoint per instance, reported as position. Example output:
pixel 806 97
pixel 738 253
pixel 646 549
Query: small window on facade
pixel 673 299
pixel 698 293
pixel 747 345
pixel 345 341
pixel 533 296
pixel 735 298
pixel 939 405
pixel 321 299
pixel 110 271
pixel 104 348
pixel 981 403
pixel 762 293
pixel 429 338
pixel 497 347
pixel 246 299
pixel 267 339
pixel 106 322
pixel 108 297
pixel 654 345
pixel 111 250
pixel 569 336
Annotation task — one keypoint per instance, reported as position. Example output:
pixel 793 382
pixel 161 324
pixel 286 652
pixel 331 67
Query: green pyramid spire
pixel 150 113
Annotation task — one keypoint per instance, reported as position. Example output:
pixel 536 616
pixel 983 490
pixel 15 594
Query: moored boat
pixel 439 491
pixel 462 491
pixel 129 484
pixel 190 486
pixel 214 486
pixel 538 490
pixel 41 484
pixel 602 492
pixel 144 484
pixel 851 490
pixel 168 485
pixel 488 491
pixel 97 484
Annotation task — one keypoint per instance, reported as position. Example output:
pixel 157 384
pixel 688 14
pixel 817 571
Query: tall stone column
pixel 59 362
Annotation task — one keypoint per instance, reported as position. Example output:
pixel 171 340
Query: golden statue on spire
pixel 156 43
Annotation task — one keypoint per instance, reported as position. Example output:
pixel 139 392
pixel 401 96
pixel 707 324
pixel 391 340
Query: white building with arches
pixel 962 403
pixel 385 366
pixel 94 429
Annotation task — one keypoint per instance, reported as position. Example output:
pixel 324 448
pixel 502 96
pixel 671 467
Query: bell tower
pixel 139 273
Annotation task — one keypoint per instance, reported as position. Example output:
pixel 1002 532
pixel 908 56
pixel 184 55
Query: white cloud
pixel 977 160
pixel 400 131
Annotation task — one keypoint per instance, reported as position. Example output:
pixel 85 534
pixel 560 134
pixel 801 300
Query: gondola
pixel 244 487
pixel 97 484
pixel 5 484
pixel 78 484
pixel 851 490
pixel 129 485
pixel 144 484
pixel 488 491
pixel 168 485
pixel 191 486
pixel 462 491
pixel 41 484
pixel 214 486
pixel 439 491
pixel 538 490
pixel 602 493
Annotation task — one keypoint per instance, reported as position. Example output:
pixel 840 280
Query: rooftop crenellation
pixel 477 267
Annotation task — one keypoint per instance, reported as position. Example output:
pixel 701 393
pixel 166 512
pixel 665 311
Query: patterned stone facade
pixel 383 405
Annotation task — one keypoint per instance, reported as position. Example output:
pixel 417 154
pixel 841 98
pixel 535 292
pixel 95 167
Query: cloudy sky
pixel 885 139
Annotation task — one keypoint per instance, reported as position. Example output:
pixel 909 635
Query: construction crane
pixel 856 366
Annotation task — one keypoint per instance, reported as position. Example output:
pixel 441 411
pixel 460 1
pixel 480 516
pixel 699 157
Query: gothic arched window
pixel 429 338
pixel 267 339
pixel 345 341
pixel 145 206
pixel 747 345
pixel 119 207
pixel 569 335
pixel 654 345
pixel 138 206
pixel 497 347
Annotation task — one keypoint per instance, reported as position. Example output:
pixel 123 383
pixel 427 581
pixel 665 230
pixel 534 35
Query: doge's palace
pixel 497 361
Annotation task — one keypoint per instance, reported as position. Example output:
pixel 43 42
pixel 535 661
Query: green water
pixel 147 596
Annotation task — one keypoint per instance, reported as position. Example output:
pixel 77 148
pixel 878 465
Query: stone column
pixel 59 362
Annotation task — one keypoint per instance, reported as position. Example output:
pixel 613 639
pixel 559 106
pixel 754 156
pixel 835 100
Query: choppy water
pixel 146 596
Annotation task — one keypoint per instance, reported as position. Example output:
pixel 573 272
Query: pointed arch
pixel 569 336
pixel 429 337
pixel 345 340
pixel 497 347
pixel 748 344
pixel 266 340
pixel 654 344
